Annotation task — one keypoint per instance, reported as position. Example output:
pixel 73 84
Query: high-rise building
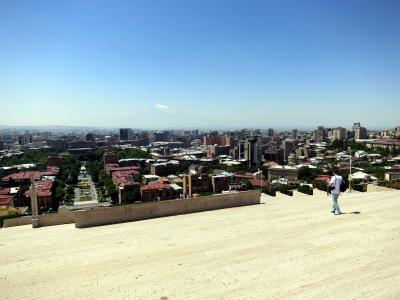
pixel 359 131
pixel 58 144
pixel 229 141
pixel 272 153
pixel 25 139
pixel 288 147
pixel 397 131
pixel 270 132
pixel 125 134
pixel 213 138
pixel 319 135
pixel 250 150
pixel 90 136
pixel 295 134
pixel 339 133
pixel 162 136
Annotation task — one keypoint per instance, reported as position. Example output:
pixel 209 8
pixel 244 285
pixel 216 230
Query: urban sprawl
pixel 84 168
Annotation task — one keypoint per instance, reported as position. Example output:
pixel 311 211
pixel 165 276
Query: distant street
pixel 85 191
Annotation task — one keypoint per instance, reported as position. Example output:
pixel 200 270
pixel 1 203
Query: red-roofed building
pixel 259 183
pixel 111 168
pixel 323 178
pixel 6 200
pixel 157 192
pixel 246 175
pixel 5 191
pixel 178 181
pixel 164 180
pixel 128 188
pixel 51 171
pixel 19 178
pixel 14 193
pixel 44 194
pixel 125 178
pixel 24 177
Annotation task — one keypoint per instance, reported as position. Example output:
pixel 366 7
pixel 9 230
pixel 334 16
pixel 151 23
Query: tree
pixel 247 183
pixel 304 174
pixel 69 169
pixel 305 189
pixel 110 188
pixel 69 195
pixel 308 174
pixel 131 196
pixel 29 156
pixel 59 190
pixel 94 169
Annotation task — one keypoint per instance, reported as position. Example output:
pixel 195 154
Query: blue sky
pixel 200 64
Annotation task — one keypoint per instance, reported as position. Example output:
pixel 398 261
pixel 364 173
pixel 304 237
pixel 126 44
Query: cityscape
pixel 100 167
pixel 214 149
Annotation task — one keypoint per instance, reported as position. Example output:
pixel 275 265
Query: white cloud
pixel 162 107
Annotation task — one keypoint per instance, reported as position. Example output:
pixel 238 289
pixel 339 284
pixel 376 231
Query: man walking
pixel 334 183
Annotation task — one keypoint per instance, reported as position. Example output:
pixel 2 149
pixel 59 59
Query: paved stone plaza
pixel 286 248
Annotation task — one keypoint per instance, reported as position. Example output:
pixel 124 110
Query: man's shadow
pixel 352 212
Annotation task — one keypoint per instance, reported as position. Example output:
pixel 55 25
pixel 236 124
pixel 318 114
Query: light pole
pixel 350 178
pixel 261 184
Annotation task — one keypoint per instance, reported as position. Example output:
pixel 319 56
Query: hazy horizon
pixel 208 64
pixel 99 128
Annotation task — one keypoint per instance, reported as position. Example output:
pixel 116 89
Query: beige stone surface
pixel 287 248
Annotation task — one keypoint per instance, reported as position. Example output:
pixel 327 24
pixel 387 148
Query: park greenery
pixel 109 186
pixel 305 189
pixel 67 179
pixel 130 196
pixel 7 212
pixel 29 156
pixel 131 153
pixel 284 189
pixel 307 174
pixel 269 191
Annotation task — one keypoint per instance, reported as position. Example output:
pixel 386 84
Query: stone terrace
pixel 286 248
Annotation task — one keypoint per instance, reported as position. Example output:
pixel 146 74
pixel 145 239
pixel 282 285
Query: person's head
pixel 335 171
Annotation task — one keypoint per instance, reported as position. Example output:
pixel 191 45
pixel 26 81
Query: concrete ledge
pixel 19 221
pixel 56 219
pixel 133 212
pixel 44 220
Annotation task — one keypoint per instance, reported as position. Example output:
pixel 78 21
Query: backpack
pixel 343 186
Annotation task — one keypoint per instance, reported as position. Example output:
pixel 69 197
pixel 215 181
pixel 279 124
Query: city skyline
pixel 214 64
pixel 264 129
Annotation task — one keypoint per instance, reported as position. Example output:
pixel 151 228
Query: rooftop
pixel 289 247
pixel 155 186
pixel 125 178
pixel 44 188
pixel 5 199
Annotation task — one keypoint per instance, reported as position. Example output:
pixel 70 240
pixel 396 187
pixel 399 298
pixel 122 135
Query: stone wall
pixel 44 220
pixel 25 220
pixel 133 212
pixel 56 219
